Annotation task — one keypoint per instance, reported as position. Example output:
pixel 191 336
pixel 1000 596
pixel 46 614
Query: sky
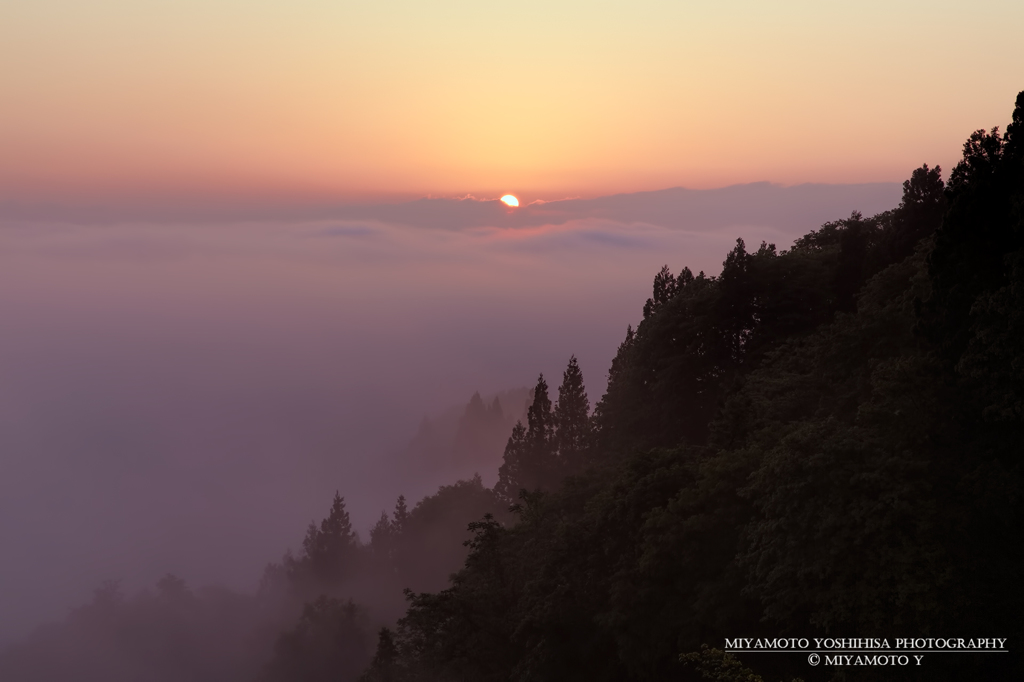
pixel 246 246
pixel 330 99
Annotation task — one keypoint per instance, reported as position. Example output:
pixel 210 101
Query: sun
pixel 510 200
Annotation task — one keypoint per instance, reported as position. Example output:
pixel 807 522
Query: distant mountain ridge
pixel 794 208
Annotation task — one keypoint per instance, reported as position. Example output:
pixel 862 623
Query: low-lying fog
pixel 183 394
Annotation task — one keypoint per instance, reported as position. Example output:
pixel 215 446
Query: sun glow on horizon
pixel 510 200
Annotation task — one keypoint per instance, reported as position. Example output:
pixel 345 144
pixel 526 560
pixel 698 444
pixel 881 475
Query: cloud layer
pixel 184 394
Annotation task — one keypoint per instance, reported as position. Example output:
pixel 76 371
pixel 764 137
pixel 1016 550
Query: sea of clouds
pixel 183 386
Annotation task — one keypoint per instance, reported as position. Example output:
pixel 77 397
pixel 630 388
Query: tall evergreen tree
pixel 336 534
pixel 496 413
pixel 510 474
pixel 385 665
pixel 329 552
pixel 540 422
pixel 611 404
pixel 475 410
pixel 539 465
pixel 474 434
pixel 529 461
pixel 572 420
pixel 665 287
pixel 400 517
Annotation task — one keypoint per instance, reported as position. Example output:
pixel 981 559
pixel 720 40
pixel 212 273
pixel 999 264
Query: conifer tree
pixel 400 516
pixel 665 287
pixel 475 410
pixel 510 473
pixel 385 664
pixel 495 413
pixel 540 421
pixel 619 395
pixel 539 465
pixel 473 437
pixel 572 420
pixel 529 460
pixel 330 550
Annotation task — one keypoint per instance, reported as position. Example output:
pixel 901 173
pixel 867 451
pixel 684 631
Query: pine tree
pixel 529 460
pixel 510 473
pixel 572 420
pixel 471 436
pixel 329 551
pixel 665 287
pixel 400 517
pixel 540 423
pixel 540 469
pixel 619 395
pixel 385 664
pixel 475 410
pixel 495 413
pixel 336 534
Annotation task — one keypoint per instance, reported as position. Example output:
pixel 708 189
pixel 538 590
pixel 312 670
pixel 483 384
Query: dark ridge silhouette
pixel 823 441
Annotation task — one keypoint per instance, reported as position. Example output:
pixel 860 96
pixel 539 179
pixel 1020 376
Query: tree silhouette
pixel 529 461
pixel 385 664
pixel 665 287
pixel 540 425
pixel 400 517
pixel 329 553
pixel 510 474
pixel 572 420
pixel 918 215
pixel 821 440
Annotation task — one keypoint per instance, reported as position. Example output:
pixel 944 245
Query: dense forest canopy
pixel 819 441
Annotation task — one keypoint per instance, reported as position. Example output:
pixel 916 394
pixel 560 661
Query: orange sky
pixel 341 99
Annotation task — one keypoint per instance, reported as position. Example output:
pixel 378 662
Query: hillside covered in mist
pixel 824 441
pixel 819 441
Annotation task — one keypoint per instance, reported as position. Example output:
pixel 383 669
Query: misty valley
pixel 820 441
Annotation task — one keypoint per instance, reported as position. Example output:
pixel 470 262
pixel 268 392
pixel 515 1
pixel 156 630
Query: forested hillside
pixel 820 441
